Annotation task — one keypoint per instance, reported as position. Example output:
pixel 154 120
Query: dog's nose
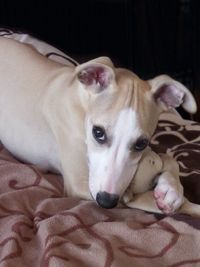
pixel 106 200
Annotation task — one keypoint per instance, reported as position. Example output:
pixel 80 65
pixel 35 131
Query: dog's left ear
pixel 96 74
pixel 169 93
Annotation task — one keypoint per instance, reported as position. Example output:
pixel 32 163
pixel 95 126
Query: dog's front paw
pixel 168 193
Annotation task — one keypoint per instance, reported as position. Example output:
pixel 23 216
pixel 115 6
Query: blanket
pixel 39 227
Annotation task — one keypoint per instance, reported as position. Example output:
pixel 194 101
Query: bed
pixel 39 227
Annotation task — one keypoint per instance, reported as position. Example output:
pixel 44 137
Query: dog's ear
pixel 169 93
pixel 96 74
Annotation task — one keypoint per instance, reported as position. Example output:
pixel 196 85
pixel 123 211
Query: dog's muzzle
pixel 106 200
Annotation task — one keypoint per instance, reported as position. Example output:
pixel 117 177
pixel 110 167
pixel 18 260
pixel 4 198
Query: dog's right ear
pixel 96 74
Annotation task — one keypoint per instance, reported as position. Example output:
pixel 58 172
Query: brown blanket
pixel 39 227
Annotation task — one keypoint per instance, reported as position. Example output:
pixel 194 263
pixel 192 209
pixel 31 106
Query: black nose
pixel 106 200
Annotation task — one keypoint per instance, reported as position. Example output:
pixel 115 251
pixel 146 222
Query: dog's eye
pixel 99 134
pixel 141 144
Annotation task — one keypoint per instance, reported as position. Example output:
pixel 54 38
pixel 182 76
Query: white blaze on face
pixel 111 167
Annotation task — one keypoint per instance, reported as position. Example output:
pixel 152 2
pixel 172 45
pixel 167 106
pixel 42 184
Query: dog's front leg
pixel 168 191
pixel 75 179
pixel 74 170
pixel 143 201
pixel 139 194
pixel 75 184
pixel 167 195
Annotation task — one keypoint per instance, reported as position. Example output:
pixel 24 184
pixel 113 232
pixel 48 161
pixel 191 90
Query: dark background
pixel 150 37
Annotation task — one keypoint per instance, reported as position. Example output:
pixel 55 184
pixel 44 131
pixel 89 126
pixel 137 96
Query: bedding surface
pixel 39 227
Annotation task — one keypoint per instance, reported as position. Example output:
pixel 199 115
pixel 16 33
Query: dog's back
pixel 24 77
pixel 22 64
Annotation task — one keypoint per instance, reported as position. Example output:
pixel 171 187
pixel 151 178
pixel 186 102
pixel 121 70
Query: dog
pixel 92 123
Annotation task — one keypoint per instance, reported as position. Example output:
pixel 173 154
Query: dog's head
pixel 122 114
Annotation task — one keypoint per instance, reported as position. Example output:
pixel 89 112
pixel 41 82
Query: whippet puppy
pixel 91 123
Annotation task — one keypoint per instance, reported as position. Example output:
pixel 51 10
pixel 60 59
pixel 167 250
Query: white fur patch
pixel 111 167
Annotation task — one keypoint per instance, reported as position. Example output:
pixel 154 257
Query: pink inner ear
pixel 170 95
pixel 95 75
